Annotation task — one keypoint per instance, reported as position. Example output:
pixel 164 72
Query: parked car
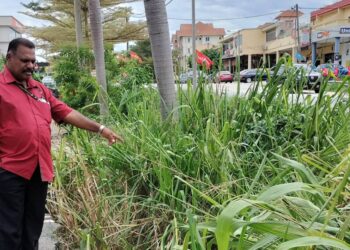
pixel 184 77
pixel 224 76
pixel 50 83
pixel 314 78
pixel 249 75
pixel 305 75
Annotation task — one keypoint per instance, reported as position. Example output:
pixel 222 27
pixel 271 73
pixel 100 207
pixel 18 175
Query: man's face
pixel 21 63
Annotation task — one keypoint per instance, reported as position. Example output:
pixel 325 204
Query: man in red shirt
pixel 26 110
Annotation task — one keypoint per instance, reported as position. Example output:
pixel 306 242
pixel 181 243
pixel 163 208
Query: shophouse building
pixel 266 43
pixel 330 36
pixel 243 48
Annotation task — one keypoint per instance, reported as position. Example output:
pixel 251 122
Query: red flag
pixel 135 56
pixel 201 59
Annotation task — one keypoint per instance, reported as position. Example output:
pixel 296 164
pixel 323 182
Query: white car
pixel 50 83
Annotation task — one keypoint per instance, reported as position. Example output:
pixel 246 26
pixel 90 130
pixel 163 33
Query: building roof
pixel 289 13
pixel 202 29
pixel 12 22
pixel 265 25
pixel 329 8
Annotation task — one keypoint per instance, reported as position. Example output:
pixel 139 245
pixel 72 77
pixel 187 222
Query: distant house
pixel 10 28
pixel 206 37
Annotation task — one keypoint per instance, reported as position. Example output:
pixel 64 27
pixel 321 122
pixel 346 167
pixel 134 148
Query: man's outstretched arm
pixel 78 120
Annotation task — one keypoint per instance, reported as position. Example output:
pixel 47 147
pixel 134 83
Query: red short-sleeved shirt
pixel 25 133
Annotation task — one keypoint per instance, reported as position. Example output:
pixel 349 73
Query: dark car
pixel 50 83
pixel 249 75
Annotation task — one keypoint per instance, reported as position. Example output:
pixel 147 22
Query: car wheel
pixel 249 80
pixel 317 88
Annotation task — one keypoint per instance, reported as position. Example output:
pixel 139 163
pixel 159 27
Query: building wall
pixel 252 41
pixel 10 28
pixel 325 29
pixel 280 44
pixel 339 16
pixel 201 44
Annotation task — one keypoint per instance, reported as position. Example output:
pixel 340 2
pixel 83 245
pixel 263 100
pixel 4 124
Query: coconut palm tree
pixel 97 40
pixel 77 19
pixel 158 30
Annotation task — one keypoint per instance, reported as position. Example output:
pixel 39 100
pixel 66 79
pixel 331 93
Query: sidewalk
pixel 47 240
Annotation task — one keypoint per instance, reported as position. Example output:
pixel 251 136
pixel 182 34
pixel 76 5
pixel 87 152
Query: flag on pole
pixel 135 56
pixel 203 59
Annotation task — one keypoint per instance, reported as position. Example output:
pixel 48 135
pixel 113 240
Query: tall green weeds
pixel 265 171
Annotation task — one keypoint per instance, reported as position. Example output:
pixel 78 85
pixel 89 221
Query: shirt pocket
pixel 43 111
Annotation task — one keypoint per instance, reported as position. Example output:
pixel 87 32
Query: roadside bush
pixel 72 72
pixel 264 171
pixel 133 73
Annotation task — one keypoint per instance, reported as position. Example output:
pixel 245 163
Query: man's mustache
pixel 28 71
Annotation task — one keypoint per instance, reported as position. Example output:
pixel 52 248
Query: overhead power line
pixel 314 8
pixel 222 19
pixel 142 15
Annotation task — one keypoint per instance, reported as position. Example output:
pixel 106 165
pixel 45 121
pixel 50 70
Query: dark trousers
pixel 22 210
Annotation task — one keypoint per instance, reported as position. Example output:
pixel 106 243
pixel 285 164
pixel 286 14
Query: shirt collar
pixel 9 78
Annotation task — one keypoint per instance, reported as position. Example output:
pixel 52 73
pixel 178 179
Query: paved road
pixel 231 89
pixel 47 240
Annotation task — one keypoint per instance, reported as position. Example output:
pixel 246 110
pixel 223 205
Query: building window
pixel 189 51
pixel 207 39
pixel 270 35
pixel 189 39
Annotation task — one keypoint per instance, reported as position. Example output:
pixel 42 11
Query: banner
pixel 201 59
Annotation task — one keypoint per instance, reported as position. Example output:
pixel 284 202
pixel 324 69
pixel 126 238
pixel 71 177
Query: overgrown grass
pixel 265 171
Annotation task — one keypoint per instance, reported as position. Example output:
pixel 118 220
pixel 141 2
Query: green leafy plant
pixel 269 170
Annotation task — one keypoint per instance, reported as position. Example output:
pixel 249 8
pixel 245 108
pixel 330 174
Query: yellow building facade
pixel 265 44
pixel 330 36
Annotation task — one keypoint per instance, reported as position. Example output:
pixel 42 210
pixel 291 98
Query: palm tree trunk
pixel 77 17
pixel 97 40
pixel 161 53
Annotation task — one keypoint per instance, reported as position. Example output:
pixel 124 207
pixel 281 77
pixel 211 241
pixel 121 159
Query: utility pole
pixel 297 28
pixel 126 23
pixel 194 54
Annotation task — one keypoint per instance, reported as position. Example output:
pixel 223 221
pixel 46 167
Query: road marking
pixel 48 219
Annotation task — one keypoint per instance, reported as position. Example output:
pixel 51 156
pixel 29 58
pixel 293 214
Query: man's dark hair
pixel 13 45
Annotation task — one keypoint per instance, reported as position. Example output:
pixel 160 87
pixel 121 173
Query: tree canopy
pixel 60 30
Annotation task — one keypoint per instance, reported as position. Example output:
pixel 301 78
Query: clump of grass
pixel 263 171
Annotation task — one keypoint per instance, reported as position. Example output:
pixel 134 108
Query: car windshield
pixel 49 82
pixel 225 73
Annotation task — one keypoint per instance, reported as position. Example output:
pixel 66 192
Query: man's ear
pixel 8 55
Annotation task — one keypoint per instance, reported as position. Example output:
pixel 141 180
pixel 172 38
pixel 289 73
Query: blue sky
pixel 231 15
